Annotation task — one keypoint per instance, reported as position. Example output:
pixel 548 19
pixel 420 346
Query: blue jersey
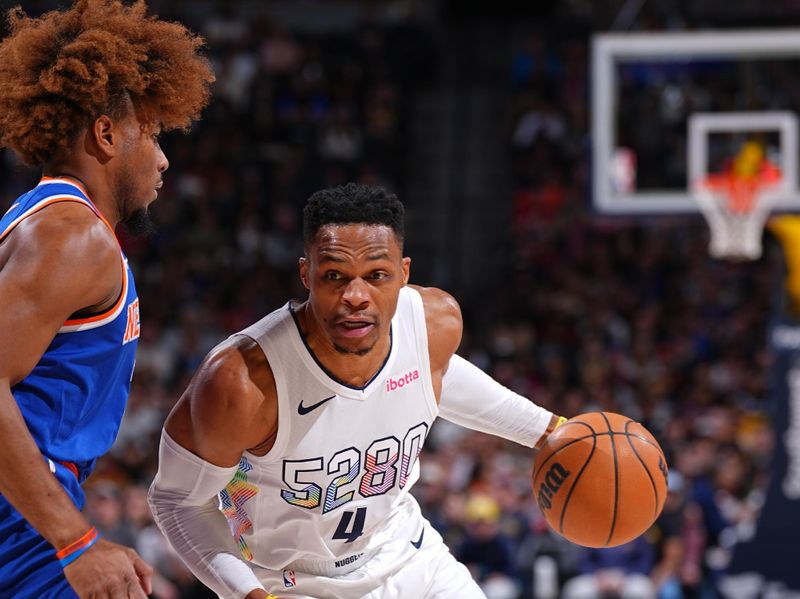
pixel 74 398
pixel 72 402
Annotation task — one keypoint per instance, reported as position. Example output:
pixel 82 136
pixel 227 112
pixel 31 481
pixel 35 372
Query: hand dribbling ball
pixel 600 479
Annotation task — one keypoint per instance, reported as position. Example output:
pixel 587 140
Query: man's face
pixel 354 274
pixel 140 172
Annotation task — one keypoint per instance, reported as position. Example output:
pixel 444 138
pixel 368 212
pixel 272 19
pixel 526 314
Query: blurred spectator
pixel 621 571
pixel 105 509
pixel 680 543
pixel 486 550
pixel 544 559
pixel 591 313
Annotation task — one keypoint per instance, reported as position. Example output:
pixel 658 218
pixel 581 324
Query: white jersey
pixel 335 486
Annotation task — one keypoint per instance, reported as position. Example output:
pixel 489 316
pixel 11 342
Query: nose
pixel 356 294
pixel 162 162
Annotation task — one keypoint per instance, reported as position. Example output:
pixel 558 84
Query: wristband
pixel 74 550
pixel 555 422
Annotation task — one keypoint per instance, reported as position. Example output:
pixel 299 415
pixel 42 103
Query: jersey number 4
pixel 356 530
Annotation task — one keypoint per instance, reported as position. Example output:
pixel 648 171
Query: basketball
pixel 600 479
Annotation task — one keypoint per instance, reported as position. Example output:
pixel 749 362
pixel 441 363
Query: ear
pixel 302 264
pixel 406 269
pixel 103 138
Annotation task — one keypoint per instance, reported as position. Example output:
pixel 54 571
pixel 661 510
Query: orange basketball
pixel 600 479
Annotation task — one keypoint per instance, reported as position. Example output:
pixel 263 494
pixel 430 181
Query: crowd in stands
pixel 592 314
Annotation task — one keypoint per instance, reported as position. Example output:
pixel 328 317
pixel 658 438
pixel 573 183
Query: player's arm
pixel 467 395
pixel 230 406
pixel 55 263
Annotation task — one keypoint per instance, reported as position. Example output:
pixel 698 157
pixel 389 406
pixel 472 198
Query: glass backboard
pixel 669 108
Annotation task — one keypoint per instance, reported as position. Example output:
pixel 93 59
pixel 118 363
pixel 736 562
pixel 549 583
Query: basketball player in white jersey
pixel 285 468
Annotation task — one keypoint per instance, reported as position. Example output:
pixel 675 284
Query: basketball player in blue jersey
pixel 285 469
pixel 84 94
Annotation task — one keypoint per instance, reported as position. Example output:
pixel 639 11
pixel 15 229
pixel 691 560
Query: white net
pixel 735 233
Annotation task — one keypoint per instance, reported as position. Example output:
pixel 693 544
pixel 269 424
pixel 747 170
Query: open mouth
pixel 354 328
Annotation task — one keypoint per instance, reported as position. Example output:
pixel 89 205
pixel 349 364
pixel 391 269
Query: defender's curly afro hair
pixel 61 71
pixel 350 204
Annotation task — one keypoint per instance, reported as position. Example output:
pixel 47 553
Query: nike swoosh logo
pixel 418 543
pixel 303 410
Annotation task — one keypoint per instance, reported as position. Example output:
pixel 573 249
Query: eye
pixel 378 275
pixel 332 275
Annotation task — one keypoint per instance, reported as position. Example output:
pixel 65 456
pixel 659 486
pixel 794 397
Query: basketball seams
pixel 563 447
pixel 619 524
pixel 542 468
pixel 616 479
pixel 641 438
pixel 646 469
pixel 577 478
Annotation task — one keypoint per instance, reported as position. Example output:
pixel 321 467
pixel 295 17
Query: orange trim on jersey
pixel 105 313
pixel 45 204
pixel 71 467
pixel 74 182
pixel 88 203
pixel 85 192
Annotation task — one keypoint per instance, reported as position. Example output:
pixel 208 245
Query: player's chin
pixel 358 347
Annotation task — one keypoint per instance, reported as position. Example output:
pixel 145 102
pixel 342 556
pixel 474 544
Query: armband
pixel 184 502
pixel 473 399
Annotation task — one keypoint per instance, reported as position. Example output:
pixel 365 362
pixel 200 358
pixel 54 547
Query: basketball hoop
pixel 736 208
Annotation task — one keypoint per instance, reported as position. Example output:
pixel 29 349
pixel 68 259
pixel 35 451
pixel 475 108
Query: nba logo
pixel 288 579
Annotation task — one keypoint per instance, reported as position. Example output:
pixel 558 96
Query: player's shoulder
pixel 236 370
pixel 69 233
pixel 443 321
pixel 234 383
pixel 441 308
pixel 65 214
pixel 230 404
pixel 64 256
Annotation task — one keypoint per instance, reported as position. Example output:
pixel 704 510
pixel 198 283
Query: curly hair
pixel 61 71
pixel 352 203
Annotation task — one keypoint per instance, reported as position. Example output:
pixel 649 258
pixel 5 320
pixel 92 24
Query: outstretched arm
pixel 55 263
pixel 226 410
pixel 467 395
pixel 473 399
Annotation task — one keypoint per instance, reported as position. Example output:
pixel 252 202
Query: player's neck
pixel 95 187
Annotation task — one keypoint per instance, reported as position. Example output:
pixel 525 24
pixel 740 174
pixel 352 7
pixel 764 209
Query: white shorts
pixel 400 569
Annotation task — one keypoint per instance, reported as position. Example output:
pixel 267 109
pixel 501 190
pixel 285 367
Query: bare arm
pixel 229 407
pixel 55 263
